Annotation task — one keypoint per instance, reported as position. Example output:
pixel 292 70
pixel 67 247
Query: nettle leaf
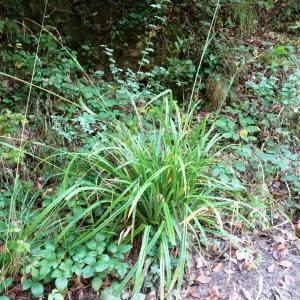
pixel 240 166
pixel 125 248
pixel 100 237
pixel 119 255
pixel 102 264
pixel 81 253
pixel 37 289
pixel 61 283
pixel 101 247
pixel 88 271
pixel 92 244
pixel 34 272
pixel 121 268
pixel 90 260
pixel 45 268
pixel 97 283
pixel 113 248
pixel 66 265
pixel 92 253
pixel 7 282
pixel 26 284
pixel 56 296
pixel 77 268
pixel 49 246
pixel 57 273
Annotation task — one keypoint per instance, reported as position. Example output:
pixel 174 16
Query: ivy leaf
pixel 61 283
pixel 37 289
pixel 97 283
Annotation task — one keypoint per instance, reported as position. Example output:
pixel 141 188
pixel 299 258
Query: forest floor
pixel 267 269
pixel 261 118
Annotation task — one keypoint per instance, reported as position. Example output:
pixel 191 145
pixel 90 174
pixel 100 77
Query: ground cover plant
pixel 118 165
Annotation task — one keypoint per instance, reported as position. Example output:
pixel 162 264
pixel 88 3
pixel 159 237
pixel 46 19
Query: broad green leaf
pixel 100 237
pixel 112 248
pixel 37 289
pixel 26 284
pixel 102 264
pixel 97 283
pixel 57 273
pixel 92 244
pixel 88 271
pixel 124 248
pixel 61 283
pixel 240 166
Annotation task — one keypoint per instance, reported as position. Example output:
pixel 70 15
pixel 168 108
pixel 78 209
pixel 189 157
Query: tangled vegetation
pixel 133 133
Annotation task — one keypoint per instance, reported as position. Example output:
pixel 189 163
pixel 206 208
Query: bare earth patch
pixel 268 269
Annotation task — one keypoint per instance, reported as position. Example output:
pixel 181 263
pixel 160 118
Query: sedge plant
pixel 162 192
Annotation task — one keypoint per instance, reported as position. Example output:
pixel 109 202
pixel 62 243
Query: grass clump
pixel 162 191
pixel 150 186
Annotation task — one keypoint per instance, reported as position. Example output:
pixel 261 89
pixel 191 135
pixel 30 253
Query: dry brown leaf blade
pixel 285 263
pixel 217 267
pixel 203 279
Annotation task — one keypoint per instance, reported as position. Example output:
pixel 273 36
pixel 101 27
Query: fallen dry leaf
pixel 228 271
pixel 214 249
pixel 286 264
pixel 199 262
pixel 194 293
pixel 271 268
pixel 203 279
pixel 280 254
pixel 214 293
pixel 217 267
pixel 288 280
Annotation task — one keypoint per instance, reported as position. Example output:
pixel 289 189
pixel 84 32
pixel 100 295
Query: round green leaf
pixel 61 283
pixel 37 289
pixel 92 244
pixel 112 248
pixel 88 272
pixel 26 284
pixel 240 166
pixel 97 283
pixel 100 237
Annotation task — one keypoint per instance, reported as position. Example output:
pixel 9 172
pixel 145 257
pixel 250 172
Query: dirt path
pixel 273 272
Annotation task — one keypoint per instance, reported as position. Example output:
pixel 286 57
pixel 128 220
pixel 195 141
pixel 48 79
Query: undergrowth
pixel 106 176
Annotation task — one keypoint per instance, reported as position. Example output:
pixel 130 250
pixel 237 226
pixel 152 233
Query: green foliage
pixel 95 259
pixel 245 15
pixel 109 161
